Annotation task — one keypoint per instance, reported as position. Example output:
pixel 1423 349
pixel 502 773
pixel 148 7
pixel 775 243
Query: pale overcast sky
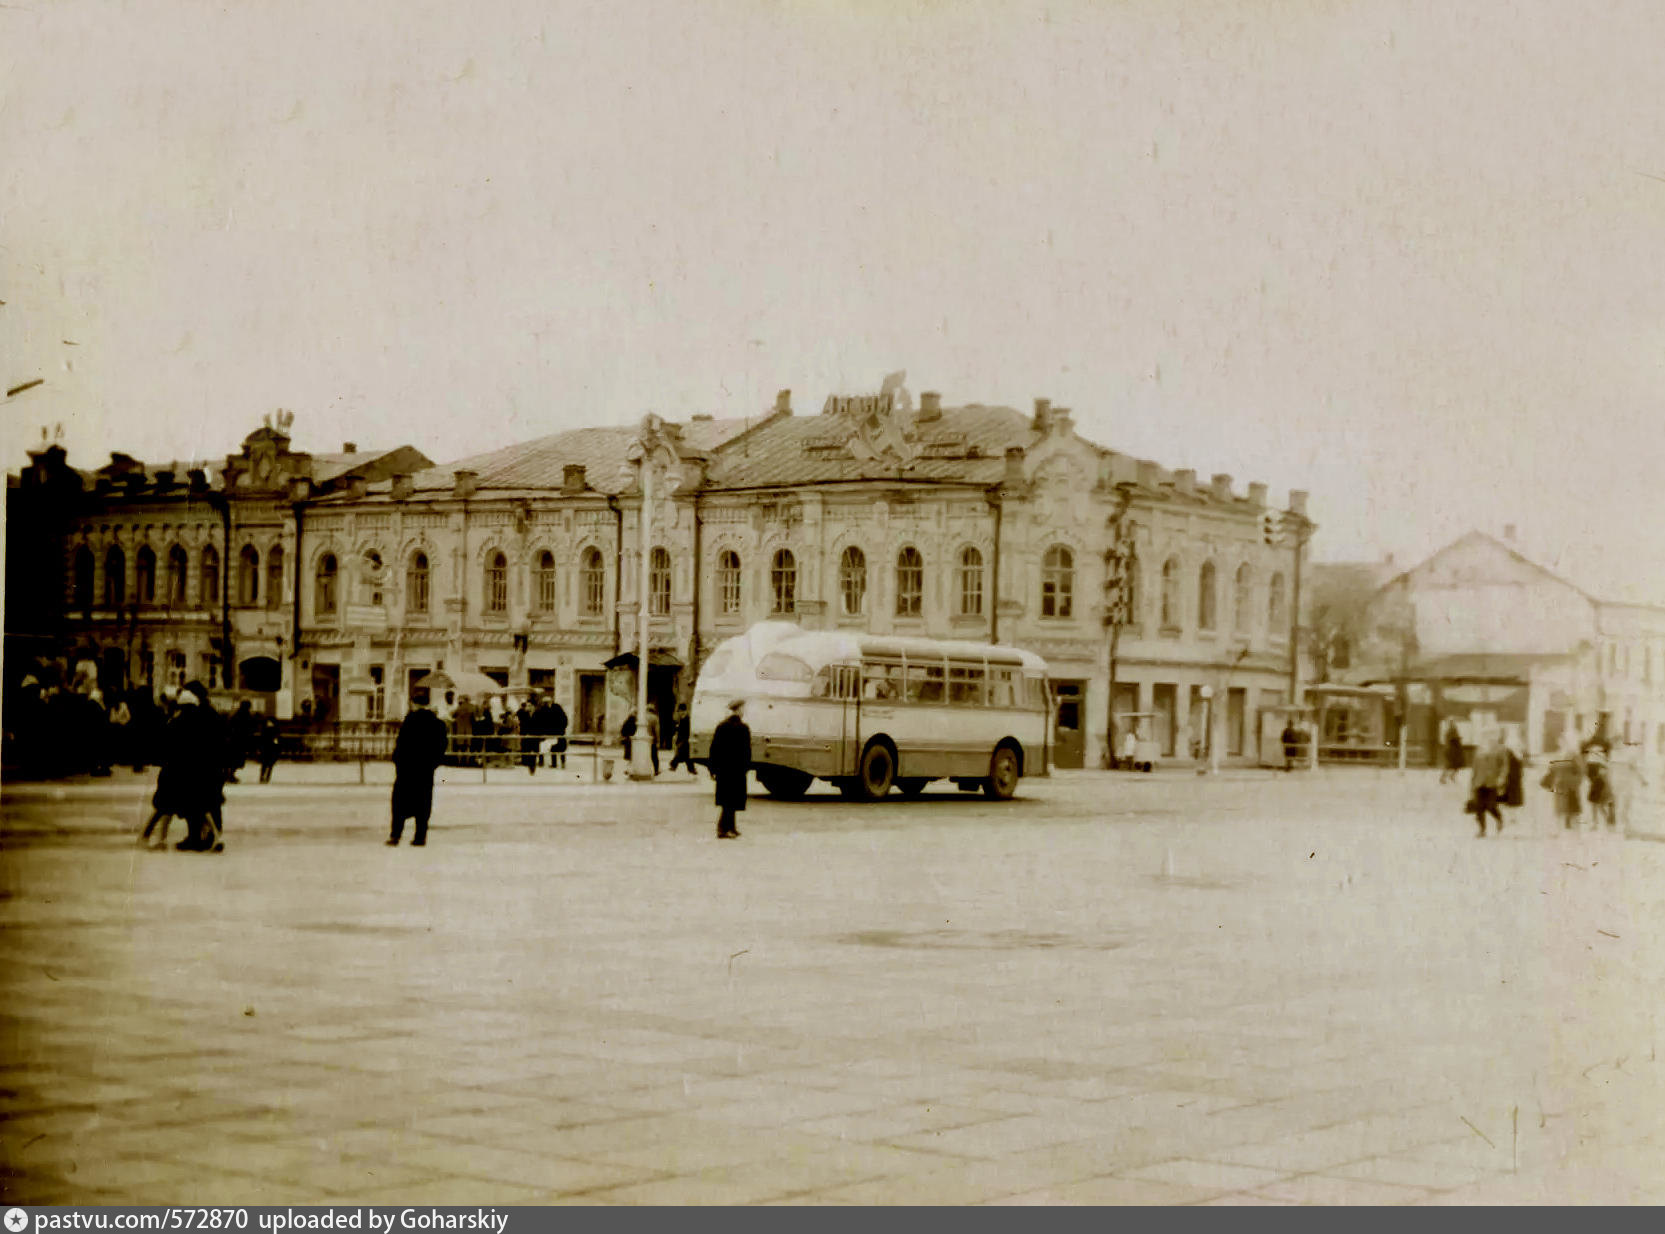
pixel 1405 255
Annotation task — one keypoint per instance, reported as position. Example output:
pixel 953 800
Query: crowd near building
pixel 328 583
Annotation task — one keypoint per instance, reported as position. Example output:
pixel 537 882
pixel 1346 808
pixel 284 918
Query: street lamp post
pixel 641 757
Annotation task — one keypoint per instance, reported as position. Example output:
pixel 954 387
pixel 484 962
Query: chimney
pixel 1257 496
pixel 404 484
pixel 1061 422
pixel 930 406
pixel 300 488
pixel 1043 413
pixel 783 402
pixel 572 479
pixel 164 480
pixel 349 447
pixel 1014 465
pixel 1150 474
pixel 1220 488
pixel 465 484
pixel 1298 502
pixel 198 480
pixel 1185 481
pixel 1508 531
pixel 357 488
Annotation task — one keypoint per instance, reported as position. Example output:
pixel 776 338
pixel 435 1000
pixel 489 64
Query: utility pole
pixel 1118 611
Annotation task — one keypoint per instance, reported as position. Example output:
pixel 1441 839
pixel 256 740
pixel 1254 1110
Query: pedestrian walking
pixel 554 725
pixel 196 740
pixel 1514 787
pixel 418 752
pixel 627 736
pixel 462 723
pixel 653 737
pixel 1453 754
pixel 1565 778
pixel 729 761
pixel 266 747
pixel 1488 778
pixel 682 736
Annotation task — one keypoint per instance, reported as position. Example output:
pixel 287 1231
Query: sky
pixel 1405 256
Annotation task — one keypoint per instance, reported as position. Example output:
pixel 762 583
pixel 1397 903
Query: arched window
pixel 1171 612
pixel 115 578
pixel 852 581
pixel 178 566
pixel 497 583
pixel 274 576
pixel 971 583
pixel 659 583
pixel 783 581
pixel 1242 593
pixel 1277 610
pixel 728 581
pixel 372 577
pixel 416 583
pixel 910 582
pixel 323 590
pixel 1058 582
pixel 144 576
pixel 1207 597
pixel 592 580
pixel 83 578
pixel 208 590
pixel 248 576
pixel 543 583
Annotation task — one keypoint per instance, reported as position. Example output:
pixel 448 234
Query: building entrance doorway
pixel 1069 700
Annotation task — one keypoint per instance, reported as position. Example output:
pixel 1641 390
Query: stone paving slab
pixel 1250 989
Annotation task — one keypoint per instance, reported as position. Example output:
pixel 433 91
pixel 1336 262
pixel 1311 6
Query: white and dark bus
pixel 867 712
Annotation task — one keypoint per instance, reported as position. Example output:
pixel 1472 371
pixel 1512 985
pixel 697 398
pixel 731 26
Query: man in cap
pixel 417 753
pixel 729 760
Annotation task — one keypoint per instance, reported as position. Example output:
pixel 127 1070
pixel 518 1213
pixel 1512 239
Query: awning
pixel 658 657
pixel 473 685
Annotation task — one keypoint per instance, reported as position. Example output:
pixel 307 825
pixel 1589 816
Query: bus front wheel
pixel 878 770
pixel 1003 774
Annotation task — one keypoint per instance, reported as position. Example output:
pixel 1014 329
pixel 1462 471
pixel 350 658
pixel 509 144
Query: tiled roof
pixel 602 452
pixel 966 444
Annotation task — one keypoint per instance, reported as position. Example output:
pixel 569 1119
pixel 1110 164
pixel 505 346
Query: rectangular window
pixel 541 679
pixel 378 692
pixel 925 683
pixel 176 669
pixel 971 591
pixel 966 685
pixel 1002 687
pixel 881 683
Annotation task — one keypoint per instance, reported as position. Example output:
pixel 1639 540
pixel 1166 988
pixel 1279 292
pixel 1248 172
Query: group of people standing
pixel 200 752
pixel 492 730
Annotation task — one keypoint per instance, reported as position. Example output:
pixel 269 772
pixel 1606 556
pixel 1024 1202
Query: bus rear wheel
pixel 783 783
pixel 1003 775
pixel 911 786
pixel 878 770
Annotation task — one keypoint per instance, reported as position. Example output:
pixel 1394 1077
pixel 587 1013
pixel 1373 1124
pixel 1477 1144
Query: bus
pixel 871 712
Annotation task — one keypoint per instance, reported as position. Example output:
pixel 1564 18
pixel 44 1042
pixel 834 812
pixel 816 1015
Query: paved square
pixel 1116 989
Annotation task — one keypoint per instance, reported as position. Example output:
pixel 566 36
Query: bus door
pixel 846 688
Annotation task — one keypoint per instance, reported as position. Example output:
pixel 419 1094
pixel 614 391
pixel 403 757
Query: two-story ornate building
pixel 970 522
pixel 342 581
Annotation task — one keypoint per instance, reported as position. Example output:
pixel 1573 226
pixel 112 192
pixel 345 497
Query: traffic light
pixel 1271 529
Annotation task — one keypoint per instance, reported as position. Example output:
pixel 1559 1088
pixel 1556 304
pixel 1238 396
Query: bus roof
pixel 819 647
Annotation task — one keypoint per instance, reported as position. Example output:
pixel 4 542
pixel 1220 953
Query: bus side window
pixel 924 683
pixel 822 684
pixel 880 682
pixel 1000 688
pixel 1035 693
pixel 965 686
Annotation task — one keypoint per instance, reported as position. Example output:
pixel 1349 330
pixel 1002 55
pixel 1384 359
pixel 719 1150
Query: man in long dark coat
pixel 417 753
pixel 729 760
